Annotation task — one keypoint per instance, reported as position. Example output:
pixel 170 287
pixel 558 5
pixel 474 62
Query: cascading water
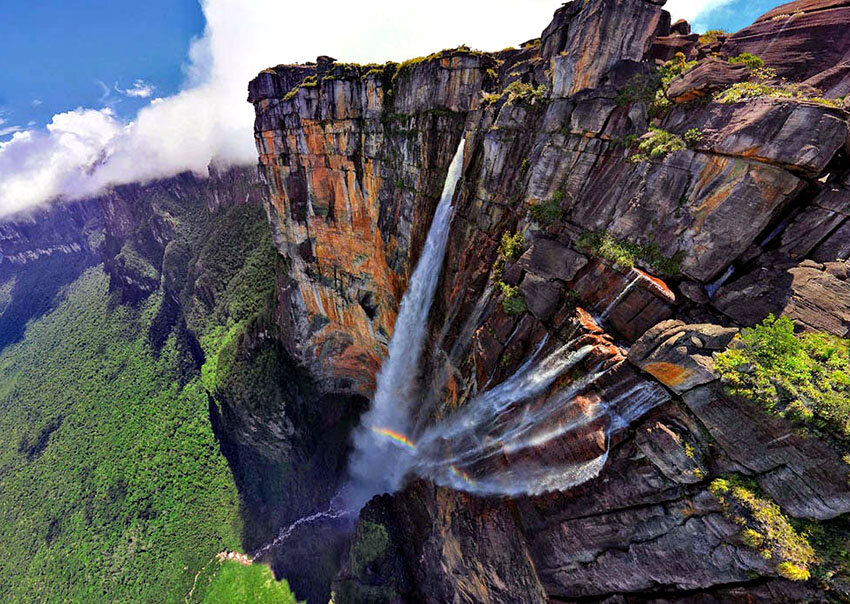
pixel 376 465
pixel 468 450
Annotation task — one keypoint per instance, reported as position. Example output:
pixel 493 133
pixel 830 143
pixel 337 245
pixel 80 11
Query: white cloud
pixel 9 130
pixel 37 166
pixel 84 151
pixel 36 102
pixel 140 89
pixel 692 10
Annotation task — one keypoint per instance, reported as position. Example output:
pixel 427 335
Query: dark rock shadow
pixel 287 446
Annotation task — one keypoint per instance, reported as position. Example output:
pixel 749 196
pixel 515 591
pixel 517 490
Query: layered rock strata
pixel 727 210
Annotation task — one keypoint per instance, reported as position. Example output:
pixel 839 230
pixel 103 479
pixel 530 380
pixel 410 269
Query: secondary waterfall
pixel 377 465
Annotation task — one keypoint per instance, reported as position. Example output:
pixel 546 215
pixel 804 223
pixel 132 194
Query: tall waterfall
pixel 378 464
pixel 467 451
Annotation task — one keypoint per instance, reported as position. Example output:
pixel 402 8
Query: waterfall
pixel 378 464
pixel 483 447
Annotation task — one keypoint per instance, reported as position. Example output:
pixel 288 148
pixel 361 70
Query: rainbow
pixel 396 437
pixel 462 475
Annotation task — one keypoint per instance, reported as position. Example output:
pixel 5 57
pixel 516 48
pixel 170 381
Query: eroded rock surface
pixel 654 257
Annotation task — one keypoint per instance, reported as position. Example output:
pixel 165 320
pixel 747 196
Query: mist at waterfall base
pixel 464 451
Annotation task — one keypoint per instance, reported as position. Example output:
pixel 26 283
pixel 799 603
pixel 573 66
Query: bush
pixel 751 90
pixel 656 144
pixel 711 36
pixel 518 92
pixel 693 137
pixel 747 58
pixel 513 303
pixel 792 572
pixel 627 254
pixel 509 249
pixel 766 528
pixel 511 246
pixel 763 85
pixel 548 212
pixel 805 378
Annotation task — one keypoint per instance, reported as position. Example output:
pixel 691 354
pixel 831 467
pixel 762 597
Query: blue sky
pixel 56 53
pixel 62 54
pixel 734 15
pixel 96 93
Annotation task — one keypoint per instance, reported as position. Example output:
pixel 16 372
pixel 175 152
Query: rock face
pixel 654 257
pixel 355 159
pixel 586 41
pixel 803 40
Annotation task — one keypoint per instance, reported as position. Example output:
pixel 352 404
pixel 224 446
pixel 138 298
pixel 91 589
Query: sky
pixel 95 93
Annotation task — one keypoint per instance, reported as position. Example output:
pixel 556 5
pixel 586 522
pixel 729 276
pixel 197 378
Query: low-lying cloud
pixel 82 152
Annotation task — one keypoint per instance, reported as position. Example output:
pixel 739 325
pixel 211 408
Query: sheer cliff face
pixel 355 160
pixel 575 142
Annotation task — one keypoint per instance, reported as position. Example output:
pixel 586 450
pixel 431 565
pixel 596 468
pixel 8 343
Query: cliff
pixel 137 346
pixel 672 193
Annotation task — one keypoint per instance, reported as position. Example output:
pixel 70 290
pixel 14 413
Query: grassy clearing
pixel 235 583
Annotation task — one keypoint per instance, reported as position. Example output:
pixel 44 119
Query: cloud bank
pixel 82 152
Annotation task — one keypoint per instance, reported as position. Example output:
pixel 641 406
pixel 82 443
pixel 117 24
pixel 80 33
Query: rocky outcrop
pixel 711 76
pixel 815 295
pixel 802 40
pixel 717 215
pixel 802 137
pixel 803 474
pixel 586 41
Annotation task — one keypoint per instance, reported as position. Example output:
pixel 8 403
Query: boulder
pixel 680 28
pixel 808 293
pixel 666 47
pixel 679 355
pixel 552 260
pixel 710 76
